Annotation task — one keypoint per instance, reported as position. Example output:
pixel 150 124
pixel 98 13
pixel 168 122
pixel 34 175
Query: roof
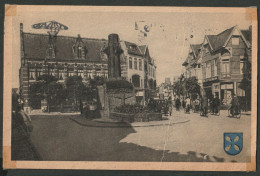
pixel 143 48
pixel 133 48
pixel 35 46
pixel 248 35
pixel 196 48
pixel 217 41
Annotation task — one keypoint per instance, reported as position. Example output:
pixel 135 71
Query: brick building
pixel 219 61
pixel 65 56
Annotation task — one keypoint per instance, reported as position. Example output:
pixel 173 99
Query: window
pixel 51 72
pixel 80 73
pixel 130 63
pixel 215 68
pixel 32 74
pixel 38 73
pixel 140 64
pixel 242 63
pixel 70 72
pixel 60 74
pixel 235 41
pixel 208 70
pixel 79 51
pixel 225 66
pixel 135 64
pixel 198 65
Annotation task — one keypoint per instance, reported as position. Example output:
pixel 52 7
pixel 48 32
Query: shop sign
pixel 226 86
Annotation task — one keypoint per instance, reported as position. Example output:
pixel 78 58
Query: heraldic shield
pixel 233 143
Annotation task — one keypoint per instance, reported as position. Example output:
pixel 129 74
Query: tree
pixel 192 87
pixel 75 89
pixel 178 86
pixel 246 81
pixel 49 89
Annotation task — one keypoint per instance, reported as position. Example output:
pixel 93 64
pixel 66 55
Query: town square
pixel 138 87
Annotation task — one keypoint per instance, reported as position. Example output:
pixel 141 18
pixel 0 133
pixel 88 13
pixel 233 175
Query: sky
pixel 168 40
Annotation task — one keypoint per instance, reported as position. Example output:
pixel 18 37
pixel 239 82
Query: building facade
pixel 140 69
pixel 223 58
pixel 219 61
pixel 65 56
pixel 192 63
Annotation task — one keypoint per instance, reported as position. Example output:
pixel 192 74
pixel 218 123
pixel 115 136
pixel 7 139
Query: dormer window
pixel 79 49
pixel 50 51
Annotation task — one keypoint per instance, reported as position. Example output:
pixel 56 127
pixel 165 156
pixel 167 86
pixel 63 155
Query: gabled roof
pixel 143 48
pixel 221 39
pixel 133 48
pixel 248 35
pixel 218 41
pixel 195 48
pixel 35 46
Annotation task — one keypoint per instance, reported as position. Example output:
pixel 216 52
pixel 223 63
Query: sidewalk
pixel 39 112
pixel 166 121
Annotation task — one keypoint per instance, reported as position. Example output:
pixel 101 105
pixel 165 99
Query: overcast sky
pixel 167 43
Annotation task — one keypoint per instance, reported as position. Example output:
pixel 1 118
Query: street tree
pixel 75 89
pixel 49 89
pixel 246 81
pixel 192 87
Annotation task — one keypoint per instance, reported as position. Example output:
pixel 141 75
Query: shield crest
pixel 233 143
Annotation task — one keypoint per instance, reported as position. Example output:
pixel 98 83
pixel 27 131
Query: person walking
pixel 170 109
pixel 234 105
pixel 177 104
pixel 216 104
pixel 187 104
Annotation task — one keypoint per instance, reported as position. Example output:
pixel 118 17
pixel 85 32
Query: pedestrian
pixel 234 104
pixel 177 104
pixel 216 104
pixel 187 104
pixel 183 103
pixel 204 106
pixel 170 109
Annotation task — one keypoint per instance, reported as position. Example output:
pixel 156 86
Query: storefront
pixel 227 90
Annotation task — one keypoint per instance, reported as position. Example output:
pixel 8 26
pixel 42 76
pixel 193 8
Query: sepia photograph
pixel 131 88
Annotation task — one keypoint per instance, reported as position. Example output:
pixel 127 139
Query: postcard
pixel 130 88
